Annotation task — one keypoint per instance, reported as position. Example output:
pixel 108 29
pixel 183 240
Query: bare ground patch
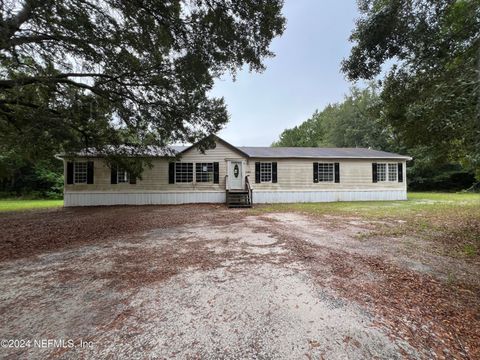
pixel 206 282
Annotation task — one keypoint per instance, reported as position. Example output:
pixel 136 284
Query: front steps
pixel 239 199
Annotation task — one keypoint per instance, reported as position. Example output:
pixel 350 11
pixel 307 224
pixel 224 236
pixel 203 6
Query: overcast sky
pixel 302 77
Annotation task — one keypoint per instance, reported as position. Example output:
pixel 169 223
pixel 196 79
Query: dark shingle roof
pixel 261 152
pixel 317 152
pixel 153 151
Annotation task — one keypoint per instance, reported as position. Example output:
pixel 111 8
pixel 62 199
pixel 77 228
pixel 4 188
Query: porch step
pixel 238 199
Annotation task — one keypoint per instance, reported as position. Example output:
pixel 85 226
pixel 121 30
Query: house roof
pixel 318 152
pixel 260 152
pixel 306 152
pixel 153 151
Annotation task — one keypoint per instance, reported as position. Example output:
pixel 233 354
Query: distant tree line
pixel 357 122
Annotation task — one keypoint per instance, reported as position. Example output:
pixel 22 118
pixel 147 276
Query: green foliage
pixel 101 74
pixel 86 73
pixel 431 94
pixel 36 179
pixel 46 178
pixel 358 121
pixel 424 176
pixel 354 122
pixel 470 250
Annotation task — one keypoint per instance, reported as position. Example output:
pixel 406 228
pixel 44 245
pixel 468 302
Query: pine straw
pixel 415 307
pixel 28 234
pixel 429 314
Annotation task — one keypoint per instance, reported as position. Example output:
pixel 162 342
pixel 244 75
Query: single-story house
pixel 239 176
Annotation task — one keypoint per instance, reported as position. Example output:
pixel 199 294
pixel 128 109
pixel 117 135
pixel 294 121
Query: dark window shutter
pixel 274 172
pixel 113 174
pixel 70 172
pixel 90 172
pixel 400 172
pixel 257 172
pixel 171 173
pixel 133 179
pixel 337 172
pixel 315 172
pixel 374 172
pixel 216 175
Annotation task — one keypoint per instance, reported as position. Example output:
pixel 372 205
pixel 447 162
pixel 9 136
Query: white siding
pixel 297 174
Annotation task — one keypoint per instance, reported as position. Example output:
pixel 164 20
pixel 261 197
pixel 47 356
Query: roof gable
pixel 216 139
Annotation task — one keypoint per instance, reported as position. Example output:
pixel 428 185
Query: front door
pixel 235 175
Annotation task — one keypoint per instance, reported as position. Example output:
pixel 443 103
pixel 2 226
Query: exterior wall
pixel 297 175
pixel 156 178
pixel 295 183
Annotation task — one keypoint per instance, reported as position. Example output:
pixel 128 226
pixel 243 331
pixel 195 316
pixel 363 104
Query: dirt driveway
pixel 207 282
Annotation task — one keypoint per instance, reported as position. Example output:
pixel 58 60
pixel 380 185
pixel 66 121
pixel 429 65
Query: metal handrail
pixel 249 189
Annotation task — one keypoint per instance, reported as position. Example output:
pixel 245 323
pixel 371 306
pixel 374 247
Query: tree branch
pixel 8 84
pixel 12 25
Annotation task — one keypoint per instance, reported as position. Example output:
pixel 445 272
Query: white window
pixel 123 176
pixel 392 172
pixel 183 172
pixel 387 172
pixel 266 172
pixel 204 172
pixel 80 172
pixel 326 172
pixel 381 172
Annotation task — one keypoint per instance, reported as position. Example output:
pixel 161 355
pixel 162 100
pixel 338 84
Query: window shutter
pixel 257 172
pixel 315 172
pixel 216 175
pixel 133 179
pixel 70 172
pixel 113 174
pixel 374 172
pixel 90 172
pixel 171 173
pixel 400 172
pixel 337 172
pixel 274 172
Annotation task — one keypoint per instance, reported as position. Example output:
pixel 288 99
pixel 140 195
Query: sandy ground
pixel 232 285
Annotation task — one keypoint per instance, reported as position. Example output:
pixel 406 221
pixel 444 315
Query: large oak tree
pixel 89 73
pixel 431 94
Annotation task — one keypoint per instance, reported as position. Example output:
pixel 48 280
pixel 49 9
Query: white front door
pixel 235 178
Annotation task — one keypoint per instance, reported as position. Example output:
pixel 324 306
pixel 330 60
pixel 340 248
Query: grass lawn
pixel 417 203
pixel 22 205
pixel 451 219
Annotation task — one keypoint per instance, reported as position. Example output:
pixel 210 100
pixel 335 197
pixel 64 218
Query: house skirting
pixel 98 198
pixel 265 197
